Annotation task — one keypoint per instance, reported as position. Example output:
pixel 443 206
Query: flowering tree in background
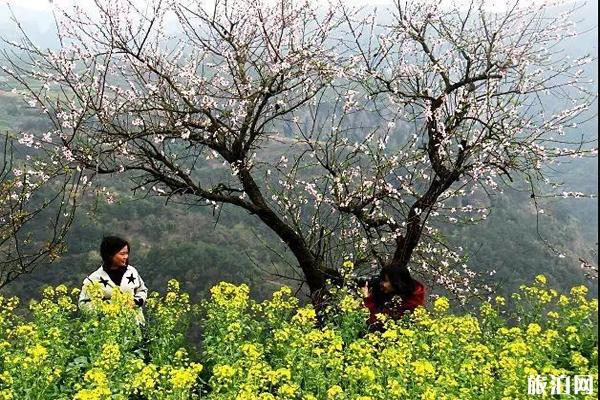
pixel 348 134
pixel 465 100
pixel 37 204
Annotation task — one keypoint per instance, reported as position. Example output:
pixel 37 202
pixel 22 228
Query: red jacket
pixel 417 298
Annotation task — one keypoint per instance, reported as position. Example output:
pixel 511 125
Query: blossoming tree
pixel 37 204
pixel 349 134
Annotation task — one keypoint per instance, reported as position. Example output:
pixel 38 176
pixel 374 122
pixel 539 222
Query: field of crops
pixel 276 350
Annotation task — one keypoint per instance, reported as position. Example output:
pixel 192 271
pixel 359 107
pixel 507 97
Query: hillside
pixel 198 248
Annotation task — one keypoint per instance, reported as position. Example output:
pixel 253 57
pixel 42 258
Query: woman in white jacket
pixel 115 272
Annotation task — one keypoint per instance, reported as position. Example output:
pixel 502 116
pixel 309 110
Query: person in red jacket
pixel 394 294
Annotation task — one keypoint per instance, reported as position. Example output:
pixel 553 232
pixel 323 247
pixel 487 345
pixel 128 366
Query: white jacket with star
pixel 130 283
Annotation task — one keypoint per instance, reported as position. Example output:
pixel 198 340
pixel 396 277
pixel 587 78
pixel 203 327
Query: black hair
pixel 110 246
pixel 403 285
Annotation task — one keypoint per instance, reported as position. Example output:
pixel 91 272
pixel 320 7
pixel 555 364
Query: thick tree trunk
pixel 308 263
pixel 417 217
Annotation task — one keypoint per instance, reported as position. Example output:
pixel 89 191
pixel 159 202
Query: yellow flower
pixel 518 348
pixel 407 332
pixel 396 390
pixel 533 329
pixel 173 285
pixel 366 373
pixel 145 380
pixel 96 376
pixel 423 368
pixel 553 315
pixel 25 330
pixel 421 316
pixel 6 394
pixel 6 379
pixel 579 291
pixel 578 360
pixel 571 329
pixel 541 279
pixel 350 303
pixel 181 355
pixel 305 316
pixel 390 334
pixel 487 310
pixel 230 296
pixel 171 297
pixel 223 372
pixel 38 353
pixel 110 356
pixel 528 371
pixel 282 335
pixel 334 391
pixel 62 290
pixel 278 375
pixel 48 292
pixel 441 305
pixel 184 378
pixel 288 391
pixel 250 350
pixel 92 394
pixel 429 394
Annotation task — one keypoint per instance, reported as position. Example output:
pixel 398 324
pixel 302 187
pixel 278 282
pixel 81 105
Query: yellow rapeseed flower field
pixel 279 350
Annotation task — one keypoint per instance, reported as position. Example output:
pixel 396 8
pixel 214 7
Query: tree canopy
pixel 349 133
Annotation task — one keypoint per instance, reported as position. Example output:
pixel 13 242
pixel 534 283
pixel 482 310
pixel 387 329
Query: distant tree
pixel 37 205
pixel 349 134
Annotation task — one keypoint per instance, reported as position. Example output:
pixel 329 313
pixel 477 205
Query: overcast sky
pixel 45 4
pixel 36 18
pixel 41 5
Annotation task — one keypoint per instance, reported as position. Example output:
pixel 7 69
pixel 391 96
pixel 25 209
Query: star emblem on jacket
pixel 134 286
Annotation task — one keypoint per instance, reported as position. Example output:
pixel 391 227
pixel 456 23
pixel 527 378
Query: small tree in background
pixel 37 205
